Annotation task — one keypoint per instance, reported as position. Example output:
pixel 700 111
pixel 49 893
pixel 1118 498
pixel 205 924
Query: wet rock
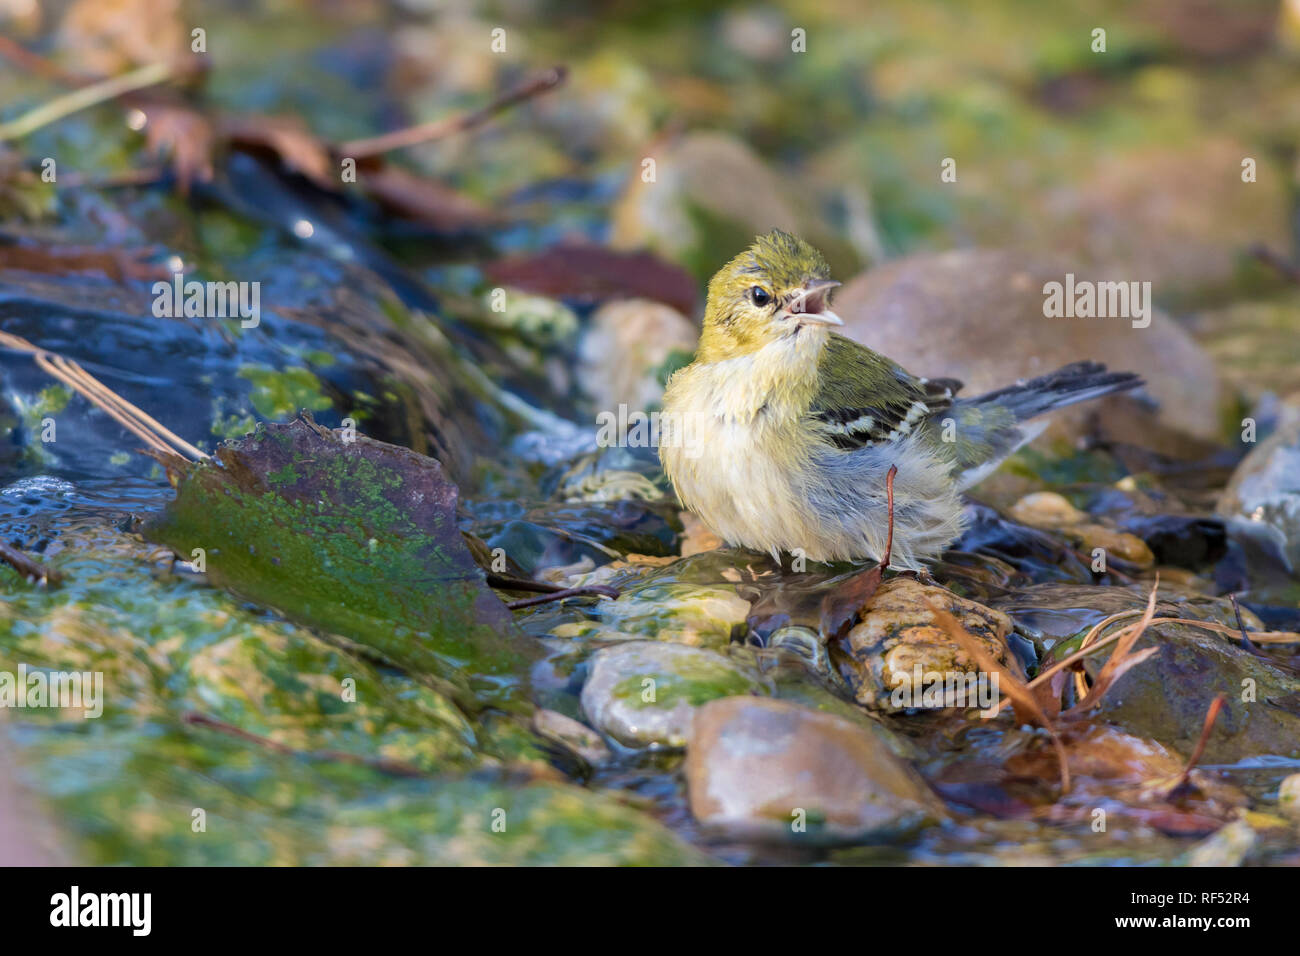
pixel 1228 847
pixel 1046 509
pixel 1265 489
pixel 711 196
pixel 1288 796
pixel 937 315
pixel 898 634
pixel 771 768
pixel 624 349
pixel 1119 544
pixel 643 693
pixel 573 737
pixel 1184 541
pixel 1049 510
pixel 1165 698
pixel 670 611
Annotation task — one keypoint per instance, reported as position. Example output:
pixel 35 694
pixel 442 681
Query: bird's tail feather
pixel 1077 382
pixel 996 423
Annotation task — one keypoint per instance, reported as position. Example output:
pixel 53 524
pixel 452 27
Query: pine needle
pixel 1023 700
pixel 88 96
pixel 1120 660
pixel 155 435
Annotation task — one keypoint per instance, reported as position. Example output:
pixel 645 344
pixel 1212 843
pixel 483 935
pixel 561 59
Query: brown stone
pixel 898 632
pixel 757 766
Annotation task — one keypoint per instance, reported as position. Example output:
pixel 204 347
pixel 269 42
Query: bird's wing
pixel 865 399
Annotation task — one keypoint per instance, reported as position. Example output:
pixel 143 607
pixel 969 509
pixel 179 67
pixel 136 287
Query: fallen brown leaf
pixel 424 200
pixel 185 138
pixel 590 273
pixel 287 139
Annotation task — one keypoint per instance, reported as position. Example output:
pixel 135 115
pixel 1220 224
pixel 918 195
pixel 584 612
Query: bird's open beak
pixel 810 305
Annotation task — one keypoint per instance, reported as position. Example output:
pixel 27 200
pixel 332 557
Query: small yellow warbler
pixel 796 427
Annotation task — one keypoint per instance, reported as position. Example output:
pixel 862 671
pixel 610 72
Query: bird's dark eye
pixel 759 295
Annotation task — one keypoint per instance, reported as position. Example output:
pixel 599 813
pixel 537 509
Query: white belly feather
pixel 761 480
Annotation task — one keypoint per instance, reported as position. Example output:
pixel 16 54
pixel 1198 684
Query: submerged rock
pixel 898 634
pixel 770 768
pixel 571 736
pixel 1049 510
pixel 1165 698
pixel 669 611
pixel 644 693
pixel 1046 509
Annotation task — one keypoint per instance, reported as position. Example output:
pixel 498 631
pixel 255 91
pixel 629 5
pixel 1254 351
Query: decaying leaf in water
pixel 288 139
pixel 117 264
pixel 185 138
pixel 425 200
pixel 358 538
pixel 590 273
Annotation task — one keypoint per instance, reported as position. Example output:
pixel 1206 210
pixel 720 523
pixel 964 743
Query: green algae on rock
pixel 666 610
pixel 355 537
pixel 645 693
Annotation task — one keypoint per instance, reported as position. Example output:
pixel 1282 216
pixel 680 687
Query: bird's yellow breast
pixel 741 471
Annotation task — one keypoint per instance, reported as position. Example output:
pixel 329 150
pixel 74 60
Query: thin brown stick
pixel 28 566
pixel 1211 715
pixel 1241 625
pixel 86 97
pixel 1121 659
pixel 889 494
pixel 98 388
pixel 426 132
pixel 1282 265
pixel 38 65
pixel 1260 637
pixel 155 435
pixel 50 365
pixel 396 768
pixel 595 590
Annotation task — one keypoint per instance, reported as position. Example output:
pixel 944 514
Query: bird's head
pixel 777 287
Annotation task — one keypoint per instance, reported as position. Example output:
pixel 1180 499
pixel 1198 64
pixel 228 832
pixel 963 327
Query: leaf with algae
pixel 358 538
